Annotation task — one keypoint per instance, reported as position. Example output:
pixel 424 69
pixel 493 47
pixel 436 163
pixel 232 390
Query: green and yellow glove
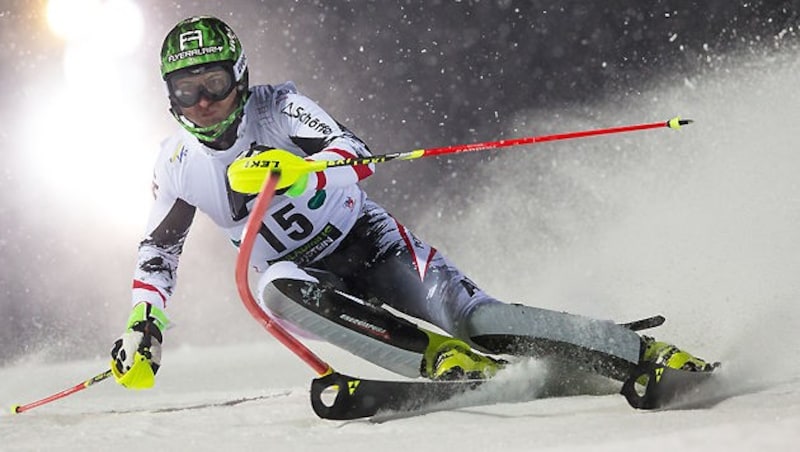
pixel 298 187
pixel 247 174
pixel 136 355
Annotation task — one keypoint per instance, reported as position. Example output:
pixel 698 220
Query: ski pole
pixel 78 387
pixel 243 285
pixel 247 175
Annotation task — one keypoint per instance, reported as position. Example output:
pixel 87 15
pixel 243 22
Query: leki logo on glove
pixel 262 164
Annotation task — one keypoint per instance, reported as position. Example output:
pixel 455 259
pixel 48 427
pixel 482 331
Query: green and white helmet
pixel 196 43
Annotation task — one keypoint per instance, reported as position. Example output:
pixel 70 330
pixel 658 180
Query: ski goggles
pixel 214 82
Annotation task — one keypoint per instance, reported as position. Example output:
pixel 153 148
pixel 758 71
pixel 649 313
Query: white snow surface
pixel 256 397
pixel 700 225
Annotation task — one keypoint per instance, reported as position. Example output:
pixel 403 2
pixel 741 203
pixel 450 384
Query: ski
pixel 342 397
pixel 653 387
pixel 646 323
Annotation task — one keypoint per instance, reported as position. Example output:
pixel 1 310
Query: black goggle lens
pixel 215 84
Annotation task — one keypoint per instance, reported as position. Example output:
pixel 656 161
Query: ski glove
pixel 247 174
pixel 298 187
pixel 136 355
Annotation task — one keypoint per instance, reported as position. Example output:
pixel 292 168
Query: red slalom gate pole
pixel 78 387
pixel 243 285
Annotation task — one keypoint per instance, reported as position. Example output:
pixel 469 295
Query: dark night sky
pixel 402 75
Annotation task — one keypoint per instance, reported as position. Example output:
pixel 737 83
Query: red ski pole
pixel 250 172
pixel 674 123
pixel 78 387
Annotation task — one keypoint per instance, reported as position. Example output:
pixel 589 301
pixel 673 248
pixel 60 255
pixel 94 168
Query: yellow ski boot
pixel 668 355
pixel 452 359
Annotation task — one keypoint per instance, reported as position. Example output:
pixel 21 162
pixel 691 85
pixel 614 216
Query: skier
pixel 336 256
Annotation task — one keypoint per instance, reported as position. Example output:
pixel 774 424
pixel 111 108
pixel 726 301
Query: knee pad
pixel 277 307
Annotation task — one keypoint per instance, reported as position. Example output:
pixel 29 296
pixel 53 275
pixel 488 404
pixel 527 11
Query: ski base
pixel 665 387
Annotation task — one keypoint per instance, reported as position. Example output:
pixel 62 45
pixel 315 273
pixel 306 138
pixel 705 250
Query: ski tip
pixel 677 122
pixel 14 409
pixel 646 323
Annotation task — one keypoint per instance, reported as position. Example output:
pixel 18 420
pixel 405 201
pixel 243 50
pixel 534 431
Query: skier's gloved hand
pixel 247 174
pixel 298 187
pixel 136 355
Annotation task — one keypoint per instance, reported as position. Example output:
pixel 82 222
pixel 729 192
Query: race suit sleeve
pixel 169 222
pixel 322 138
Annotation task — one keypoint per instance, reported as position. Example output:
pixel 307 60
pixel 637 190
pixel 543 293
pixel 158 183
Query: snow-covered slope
pixel 256 397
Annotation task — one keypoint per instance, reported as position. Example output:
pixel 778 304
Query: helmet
pixel 197 43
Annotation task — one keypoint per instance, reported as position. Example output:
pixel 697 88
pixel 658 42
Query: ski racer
pixel 336 256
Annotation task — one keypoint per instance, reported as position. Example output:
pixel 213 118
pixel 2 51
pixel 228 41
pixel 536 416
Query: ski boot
pixel 453 359
pixel 668 355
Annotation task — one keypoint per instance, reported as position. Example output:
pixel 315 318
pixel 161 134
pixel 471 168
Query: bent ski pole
pixel 79 387
pixel 243 285
pixel 247 175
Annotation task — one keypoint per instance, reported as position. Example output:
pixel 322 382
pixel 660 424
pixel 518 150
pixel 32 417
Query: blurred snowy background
pixel 698 225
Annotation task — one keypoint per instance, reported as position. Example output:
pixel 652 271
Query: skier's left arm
pixel 345 146
pixel 323 138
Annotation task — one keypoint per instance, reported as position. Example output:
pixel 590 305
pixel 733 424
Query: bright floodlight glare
pixel 122 22
pixel 96 128
pixel 67 17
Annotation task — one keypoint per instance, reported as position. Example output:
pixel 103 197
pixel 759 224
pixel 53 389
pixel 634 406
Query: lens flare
pixel 90 111
pixel 67 17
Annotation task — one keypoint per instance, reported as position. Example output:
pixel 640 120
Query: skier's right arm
pixel 136 355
